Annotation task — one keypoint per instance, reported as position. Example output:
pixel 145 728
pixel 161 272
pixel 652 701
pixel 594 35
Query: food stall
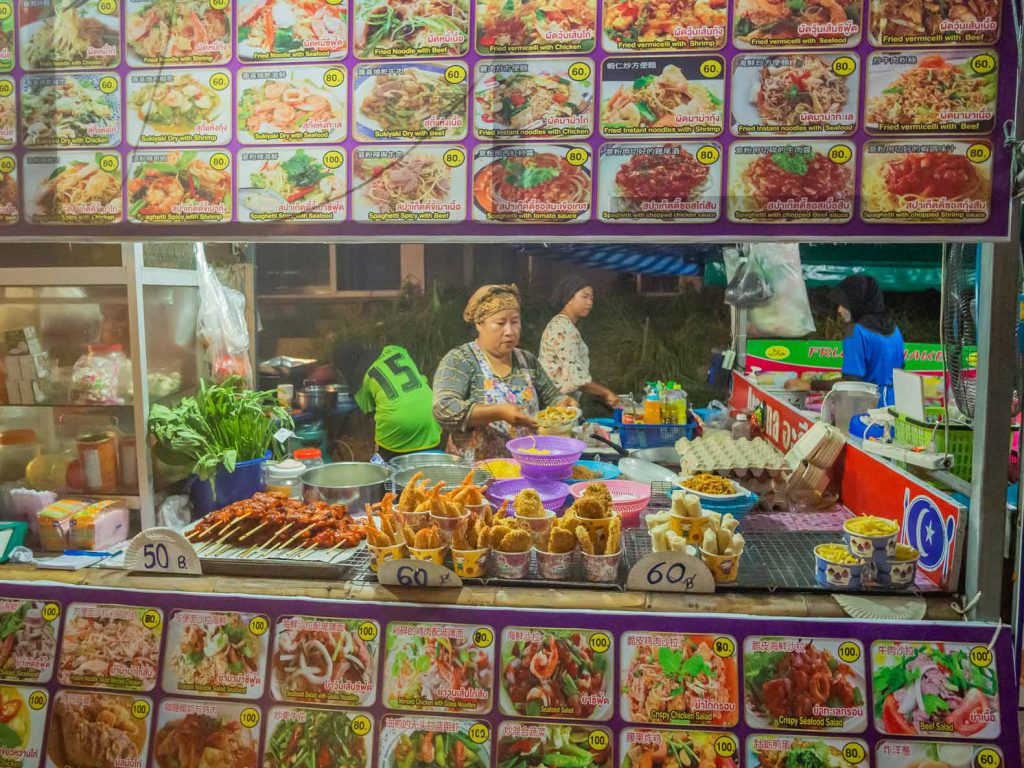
pixel 673 626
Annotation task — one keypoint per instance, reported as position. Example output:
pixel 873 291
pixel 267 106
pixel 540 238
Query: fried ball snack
pixel 499 532
pixel 600 492
pixel 528 504
pixel 561 541
pixel 516 541
pixel 591 508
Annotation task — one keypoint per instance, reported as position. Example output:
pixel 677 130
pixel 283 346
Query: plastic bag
pixel 221 326
pixel 749 284
pixel 787 314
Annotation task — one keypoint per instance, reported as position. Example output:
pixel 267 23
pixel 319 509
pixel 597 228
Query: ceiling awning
pixel 637 260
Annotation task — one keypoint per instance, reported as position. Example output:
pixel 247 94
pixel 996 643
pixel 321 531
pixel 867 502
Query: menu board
pixel 298 683
pixel 479 119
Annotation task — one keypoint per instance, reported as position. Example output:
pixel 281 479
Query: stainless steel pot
pixel 317 398
pixel 450 474
pixel 352 483
pixel 666 456
pixel 415 461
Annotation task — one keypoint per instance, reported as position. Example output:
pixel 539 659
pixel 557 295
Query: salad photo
pixel 323 660
pixel 7 43
pixel 934 689
pixel 292 30
pixel 410 101
pixel 200 735
pixel 420 743
pixel 27 640
pixel 535 26
pixel 800 684
pixel 15 721
pixel 643 748
pixel 554 673
pixel 408 183
pixel 532 99
pixel 9 215
pixel 214 654
pixel 296 106
pixel 8 111
pixel 400 28
pixel 70 110
pixel 528 745
pixel 110 646
pixel 177 106
pixel 68 34
pixel 72 188
pixel 773 751
pixel 177 32
pixel 438 668
pixel 316 738
pixel 178 187
pixel 677 680
pixel 931 754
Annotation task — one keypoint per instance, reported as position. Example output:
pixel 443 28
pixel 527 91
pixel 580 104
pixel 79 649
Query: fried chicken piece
pixel 614 542
pixel 528 504
pixel 600 492
pixel 516 541
pixel 428 538
pixel 586 543
pixel 561 541
pixel 483 537
pixel 498 533
pixel 570 519
pixel 591 508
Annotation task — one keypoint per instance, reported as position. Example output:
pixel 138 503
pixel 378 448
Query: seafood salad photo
pixel 111 647
pixel 214 653
pixel 923 689
pixel 761 23
pixel 27 640
pixel 72 34
pixel 175 184
pixel 323 656
pixel 678 680
pixel 437 668
pixel 178 31
pixel 647 25
pixel 660 103
pixel 411 101
pixel 542 101
pixel 527 745
pixel 177 105
pixel 555 673
pixel 644 748
pixel 412 746
pixel 404 27
pixel 316 738
pixel 285 30
pixel 293 109
pixel 802 685
pixel 536 25
pixel 61 110
pixel 213 738
pixel 96 730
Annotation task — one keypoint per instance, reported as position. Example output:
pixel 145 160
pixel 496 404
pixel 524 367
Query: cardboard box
pixel 13 393
pixel 12 368
pixel 26 394
pixel 34 366
pixel 22 340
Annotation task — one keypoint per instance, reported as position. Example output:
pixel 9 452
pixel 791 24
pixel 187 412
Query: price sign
pixel 6 164
pixel 988 758
pixel 671 572
pixel 416 573
pixel 854 753
pixel 479 733
pixel 7 86
pixel 162 551
pixel 250 717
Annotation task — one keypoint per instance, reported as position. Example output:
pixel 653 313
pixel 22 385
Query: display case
pixel 91 336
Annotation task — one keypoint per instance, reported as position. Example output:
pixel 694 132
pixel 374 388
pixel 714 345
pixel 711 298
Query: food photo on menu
pixel 659 182
pixel 178 106
pixel 110 646
pixel 215 654
pixel 922 22
pixel 934 754
pixel 72 187
pixel 794 94
pixel 536 745
pixel 951 92
pixel 8 189
pixel 28 642
pixel 801 684
pixel 650 25
pixel 419 742
pixel 926 181
pixel 22 721
pixel 197 734
pixel 177 32
pixel 401 102
pixel 302 184
pixel 775 23
pixel 317 738
pixel 295 104
pixel 65 34
pixel 531 183
pixel 98 730
pixel 324 660
pixel 662 97
pixel 8 112
pixel 411 28
pixel 8 40
pixel 421 183
pixel 538 98
pixel 166 187
pixel 70 110
pixel 535 26
pixel 291 30
pixel 648 748
pixel 778 751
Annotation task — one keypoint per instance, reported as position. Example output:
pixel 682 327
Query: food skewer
pixel 279 547
pixel 224 534
pixel 258 548
pixel 301 551
pixel 247 534
pixel 238 545
pixel 191 535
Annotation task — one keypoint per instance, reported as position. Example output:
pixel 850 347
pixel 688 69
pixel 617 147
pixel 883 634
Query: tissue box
pixel 99 526
pixel 22 340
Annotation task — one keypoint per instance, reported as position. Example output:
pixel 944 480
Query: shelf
pixel 65 405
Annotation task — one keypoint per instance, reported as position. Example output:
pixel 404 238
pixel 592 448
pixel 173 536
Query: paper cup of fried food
pixel 601 569
pixel 432 555
pixel 602 551
pixel 539 527
pixel 379 555
pixel 687 519
pixel 470 563
pixel 511 550
pixel 415 520
pixel 721 548
pixel 449 526
pixel 555 559
pixel 426 544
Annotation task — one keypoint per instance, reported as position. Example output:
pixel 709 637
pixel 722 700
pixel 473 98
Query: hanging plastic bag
pixel 787 314
pixel 221 326
pixel 749 283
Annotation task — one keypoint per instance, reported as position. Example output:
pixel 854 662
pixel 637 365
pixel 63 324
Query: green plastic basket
pixel 918 434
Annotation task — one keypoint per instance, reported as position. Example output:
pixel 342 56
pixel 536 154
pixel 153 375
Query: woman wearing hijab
pixel 489 391
pixel 873 345
pixel 563 353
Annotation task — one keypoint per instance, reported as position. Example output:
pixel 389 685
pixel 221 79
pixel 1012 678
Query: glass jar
pixel 284 478
pixel 309 457
pixel 742 429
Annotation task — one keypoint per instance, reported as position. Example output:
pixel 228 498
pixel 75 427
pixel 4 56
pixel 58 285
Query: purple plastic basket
pixel 556 465
pixel 552 494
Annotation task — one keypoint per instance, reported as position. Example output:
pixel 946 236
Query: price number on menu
pixel 258 625
pixel 361 725
pixel 454 157
pixel 854 753
pixel 709 154
pixel 483 637
pixel 979 153
pixel 455 74
pixel 107 7
pixel 151 618
pixel 988 758
pixel 711 68
pixel 724 647
pixel 367 631
pixel 479 733
pixel 249 717
pixel 981 656
pixel 840 154
pixel 108 84
pixel 844 66
pixel 600 642
pixel 37 700
pixel 577 156
pixel 333 159
pixel 334 77
pixel 579 71
pixel 110 163
pixel 6 164
pixel 220 161
pixel 725 746
pixel 849 652
pixel 218 5
pixel 51 611
pixel 598 740
pixel 983 64
pixel 141 709
pixel 219 81
pixel 6 86
pixel 6 11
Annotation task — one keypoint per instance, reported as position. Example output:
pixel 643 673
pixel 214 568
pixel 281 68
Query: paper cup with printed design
pixel 511 565
pixel 690 528
pixel 470 563
pixel 449 526
pixel 540 527
pixel 724 568
pixel 555 566
pixel 601 569
pixel 379 554
pixel 429 555
pixel 415 520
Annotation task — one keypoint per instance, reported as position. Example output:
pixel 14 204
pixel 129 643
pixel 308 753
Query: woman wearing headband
pixel 563 353
pixel 489 391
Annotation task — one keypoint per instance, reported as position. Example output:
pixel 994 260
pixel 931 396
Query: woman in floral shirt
pixel 563 353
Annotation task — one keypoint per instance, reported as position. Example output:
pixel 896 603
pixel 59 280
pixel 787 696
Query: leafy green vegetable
pixel 896 89
pixel 303 170
pixel 797 6
pixel 284 40
pixel 12 621
pixel 759 668
pixel 524 174
pixel 933 704
pixel 646 112
pixel 808 755
pixel 642 82
pixel 744 27
pixel 888 680
pixel 9 739
pixel 791 163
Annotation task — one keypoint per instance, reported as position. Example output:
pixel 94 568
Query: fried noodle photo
pixel 409 25
pixel 310 661
pixel 202 741
pixel 291 26
pixel 539 183
pixel 642 24
pixel 806 85
pixel 408 99
pixel 900 19
pixel 542 23
pixel 933 91
pixel 168 30
pixel 783 19
pixel 76 189
pixel 660 101
pixel 176 106
pixel 557 675
pixel 96 730
pixel 70 36
pixel 321 740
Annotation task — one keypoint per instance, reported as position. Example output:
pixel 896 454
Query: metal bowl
pixel 352 483
pixel 416 460
pixel 450 474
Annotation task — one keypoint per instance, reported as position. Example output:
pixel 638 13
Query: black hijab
pixel 861 295
pixel 566 288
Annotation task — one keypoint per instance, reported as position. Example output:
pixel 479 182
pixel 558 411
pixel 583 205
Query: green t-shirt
pixel 400 398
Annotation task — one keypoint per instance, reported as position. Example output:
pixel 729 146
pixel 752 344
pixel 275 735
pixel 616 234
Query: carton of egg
pixel 740 458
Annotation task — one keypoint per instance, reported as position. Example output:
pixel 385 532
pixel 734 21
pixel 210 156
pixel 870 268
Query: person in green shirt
pixel 391 387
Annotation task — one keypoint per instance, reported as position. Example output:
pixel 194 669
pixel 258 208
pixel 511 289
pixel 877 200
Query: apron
pixel 489 442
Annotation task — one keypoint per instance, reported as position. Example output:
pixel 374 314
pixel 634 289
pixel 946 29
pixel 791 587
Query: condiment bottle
pixel 742 429
pixel 652 408
pixel 284 478
pixel 309 457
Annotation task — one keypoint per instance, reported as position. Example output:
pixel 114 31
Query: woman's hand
pixel 568 402
pixel 516 416
pixel 612 401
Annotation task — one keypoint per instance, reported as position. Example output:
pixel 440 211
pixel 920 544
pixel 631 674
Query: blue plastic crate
pixel 634 436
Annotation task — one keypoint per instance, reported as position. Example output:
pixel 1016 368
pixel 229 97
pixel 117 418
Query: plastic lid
pixel 305 454
pixel 287 468
pixel 742 417
pixel 18 437
pixel 104 349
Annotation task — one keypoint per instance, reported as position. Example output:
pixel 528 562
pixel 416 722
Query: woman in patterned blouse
pixel 489 391
pixel 563 353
